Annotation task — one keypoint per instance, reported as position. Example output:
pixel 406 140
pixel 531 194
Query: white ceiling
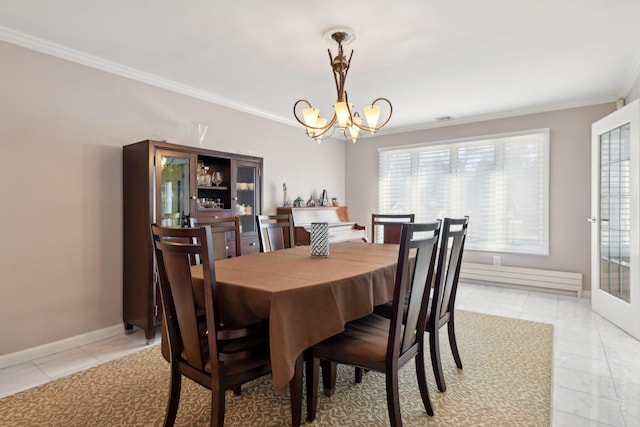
pixel 467 59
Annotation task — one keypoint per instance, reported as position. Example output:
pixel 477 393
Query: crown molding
pixel 79 57
pixel 632 77
pixel 500 115
pixel 59 51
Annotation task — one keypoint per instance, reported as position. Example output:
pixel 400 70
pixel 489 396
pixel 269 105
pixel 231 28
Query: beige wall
pixel 62 128
pixel 569 181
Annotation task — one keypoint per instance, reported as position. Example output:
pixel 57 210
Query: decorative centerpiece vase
pixel 319 239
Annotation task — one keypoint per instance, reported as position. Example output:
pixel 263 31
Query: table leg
pixel 295 390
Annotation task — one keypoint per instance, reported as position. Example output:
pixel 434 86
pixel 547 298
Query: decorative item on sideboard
pixel 285 198
pixel 192 133
pixel 324 200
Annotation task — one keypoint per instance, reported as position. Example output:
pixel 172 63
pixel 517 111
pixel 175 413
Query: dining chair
pixel 384 344
pixel 389 226
pixel 275 232
pixel 201 347
pixel 442 304
pixel 221 228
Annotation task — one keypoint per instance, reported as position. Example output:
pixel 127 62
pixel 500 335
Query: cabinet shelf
pixel 200 208
pixel 213 187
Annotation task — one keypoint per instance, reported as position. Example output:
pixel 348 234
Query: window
pixel 500 181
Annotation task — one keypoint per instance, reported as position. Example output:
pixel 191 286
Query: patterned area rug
pixel 506 381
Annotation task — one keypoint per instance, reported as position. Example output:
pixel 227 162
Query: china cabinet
pixel 167 183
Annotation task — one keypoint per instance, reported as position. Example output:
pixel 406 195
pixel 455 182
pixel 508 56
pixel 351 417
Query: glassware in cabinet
pixel 247 193
pixel 174 196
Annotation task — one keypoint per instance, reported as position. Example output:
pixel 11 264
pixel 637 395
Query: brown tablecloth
pixel 306 299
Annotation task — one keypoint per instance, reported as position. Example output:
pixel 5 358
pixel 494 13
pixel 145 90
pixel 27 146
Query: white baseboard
pixel 58 346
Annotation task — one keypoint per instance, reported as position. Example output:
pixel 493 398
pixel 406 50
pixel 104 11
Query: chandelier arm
pixel 295 113
pixel 323 129
pixel 332 129
pixel 377 128
pixel 346 100
pixel 326 128
pixel 390 111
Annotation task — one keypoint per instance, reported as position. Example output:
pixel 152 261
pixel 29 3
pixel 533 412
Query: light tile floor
pixel 596 366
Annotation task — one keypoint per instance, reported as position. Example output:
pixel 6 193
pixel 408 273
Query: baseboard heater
pixel 518 276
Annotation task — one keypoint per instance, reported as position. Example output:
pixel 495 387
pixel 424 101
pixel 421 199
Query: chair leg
pixel 175 387
pixel 328 376
pixel 421 374
pixel 217 404
pixel 295 392
pixel 237 391
pixel 358 375
pixel 393 398
pixel 434 347
pixel 452 342
pixel 312 374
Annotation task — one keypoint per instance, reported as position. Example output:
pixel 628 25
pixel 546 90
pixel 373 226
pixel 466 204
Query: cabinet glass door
pixel 174 187
pixel 247 194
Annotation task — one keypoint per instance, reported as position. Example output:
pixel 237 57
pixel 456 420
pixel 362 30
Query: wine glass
pixel 216 178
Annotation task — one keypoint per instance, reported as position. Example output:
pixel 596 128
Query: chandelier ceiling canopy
pixel 345 118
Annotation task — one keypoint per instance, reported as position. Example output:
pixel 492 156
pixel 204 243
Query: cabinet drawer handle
pixel 252 244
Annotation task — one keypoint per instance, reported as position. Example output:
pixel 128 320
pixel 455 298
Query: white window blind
pixel 501 182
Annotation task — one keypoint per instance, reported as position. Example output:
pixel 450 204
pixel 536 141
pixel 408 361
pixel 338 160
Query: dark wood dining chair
pixel 384 344
pixel 221 229
pixel 275 232
pixel 442 305
pixel 388 226
pixel 201 347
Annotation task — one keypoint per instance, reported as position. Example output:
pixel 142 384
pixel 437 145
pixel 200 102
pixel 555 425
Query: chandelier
pixel 348 121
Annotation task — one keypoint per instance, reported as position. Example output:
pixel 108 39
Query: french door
pixel 615 210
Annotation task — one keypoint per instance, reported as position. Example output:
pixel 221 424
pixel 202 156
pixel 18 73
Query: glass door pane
pixel 247 195
pixel 615 218
pixel 173 172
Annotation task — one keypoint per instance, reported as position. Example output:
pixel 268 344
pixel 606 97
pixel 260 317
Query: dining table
pixel 305 298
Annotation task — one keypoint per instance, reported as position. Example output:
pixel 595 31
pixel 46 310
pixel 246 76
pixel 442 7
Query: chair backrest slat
pixel 452 239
